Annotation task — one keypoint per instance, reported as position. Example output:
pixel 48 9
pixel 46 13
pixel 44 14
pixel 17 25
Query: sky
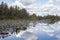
pixel 39 7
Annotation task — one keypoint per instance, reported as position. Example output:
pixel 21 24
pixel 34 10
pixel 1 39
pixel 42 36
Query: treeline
pixel 17 13
pixel 50 17
pixel 12 12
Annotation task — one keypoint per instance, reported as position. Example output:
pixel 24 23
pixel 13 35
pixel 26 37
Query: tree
pixel 33 17
pixel 2 11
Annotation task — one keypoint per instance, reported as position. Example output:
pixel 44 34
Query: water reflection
pixel 40 31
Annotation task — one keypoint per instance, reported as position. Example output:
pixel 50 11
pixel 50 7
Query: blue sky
pixel 39 7
pixel 38 1
pixel 42 2
pixel 7 1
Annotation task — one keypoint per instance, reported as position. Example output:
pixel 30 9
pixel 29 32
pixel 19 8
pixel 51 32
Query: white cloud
pixel 18 3
pixel 58 0
pixel 29 36
pixel 23 3
pixel 44 27
pixel 58 36
pixel 27 2
pixel 48 9
pixel 38 9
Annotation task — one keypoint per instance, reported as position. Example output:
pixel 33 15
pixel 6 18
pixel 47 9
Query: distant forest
pixel 17 13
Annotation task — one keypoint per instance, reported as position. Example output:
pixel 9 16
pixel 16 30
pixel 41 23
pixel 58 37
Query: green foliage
pixel 12 12
pixel 33 17
pixel 17 13
pixel 49 17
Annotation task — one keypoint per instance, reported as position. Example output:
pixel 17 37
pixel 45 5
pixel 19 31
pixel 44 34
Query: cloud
pixel 22 3
pixel 58 36
pixel 17 3
pixel 58 0
pixel 47 9
pixel 33 7
pixel 29 35
pixel 27 2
